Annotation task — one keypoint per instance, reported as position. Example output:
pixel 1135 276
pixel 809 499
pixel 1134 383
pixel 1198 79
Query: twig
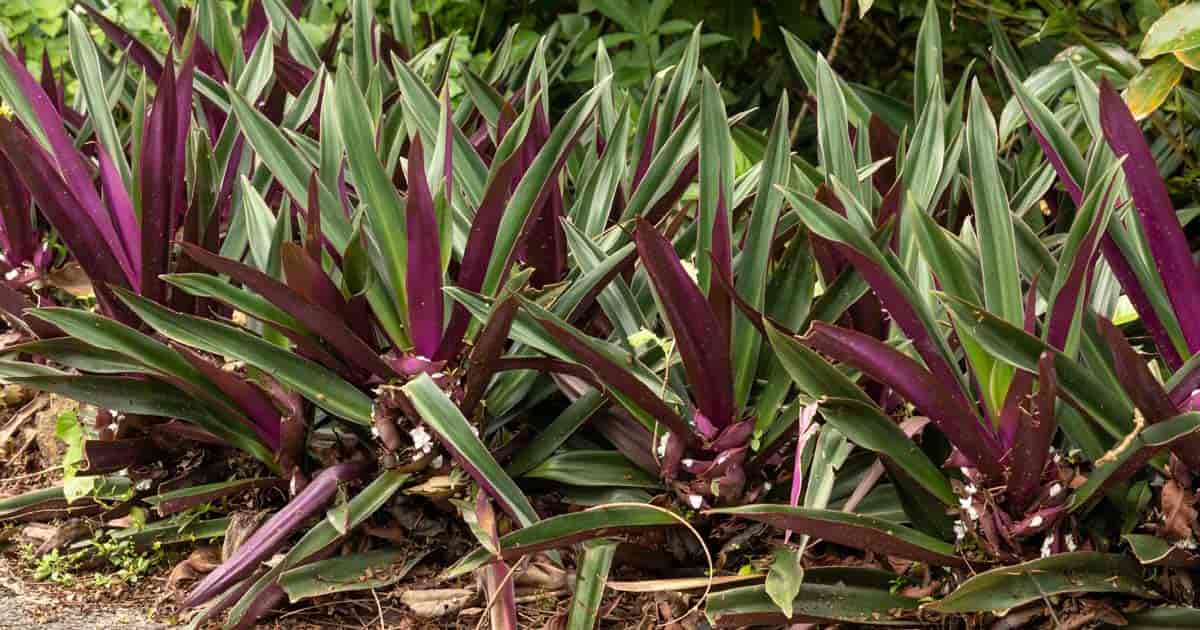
pixel 841 32
pixel 382 625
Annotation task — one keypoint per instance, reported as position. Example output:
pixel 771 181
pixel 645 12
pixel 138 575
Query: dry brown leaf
pixel 241 526
pixel 1178 514
pixel 65 534
pixel 72 279
pixel 437 602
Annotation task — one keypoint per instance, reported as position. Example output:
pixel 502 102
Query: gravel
pixel 29 611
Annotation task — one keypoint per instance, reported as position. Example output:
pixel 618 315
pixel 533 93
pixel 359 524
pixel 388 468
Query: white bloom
pixel 970 489
pixel 695 501
pixel 1069 539
pixel 437 461
pixel 1047 544
pixel 1036 521
pixel 767 486
pixel 687 462
pixel 12 274
pixel 1055 489
pixel 662 445
pixel 375 432
pixel 969 505
pixel 421 439
pixel 960 529
pixel 113 427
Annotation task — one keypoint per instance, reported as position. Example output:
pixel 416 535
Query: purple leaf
pixel 17 232
pixel 155 173
pixel 317 319
pixel 884 144
pixel 106 456
pixel 423 274
pixel 693 325
pixel 312 219
pixel 647 155
pixel 1135 377
pixel 1168 244
pixel 1036 429
pixel 15 304
pixel 74 172
pixel 256 25
pixel 478 251
pixel 488 347
pixel 544 244
pixel 59 205
pixel 1113 256
pixel 673 195
pixel 905 315
pixel 1145 391
pixel 620 379
pixel 183 121
pixel 916 384
pixel 121 207
pixel 1022 382
pixel 306 277
pixel 722 257
pixel 48 84
pixel 271 535
pixel 250 400
pixel 125 41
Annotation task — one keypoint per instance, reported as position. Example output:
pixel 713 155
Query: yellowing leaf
pixel 1150 88
pixel 1177 29
pixel 1189 58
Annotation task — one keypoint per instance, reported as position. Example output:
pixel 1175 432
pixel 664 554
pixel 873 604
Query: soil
pixel 29 458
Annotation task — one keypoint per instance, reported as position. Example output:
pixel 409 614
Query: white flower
pixel 687 462
pixel 12 274
pixel 437 461
pixel 421 439
pixel 1069 539
pixel 1047 544
pixel 695 501
pixel 767 486
pixel 375 432
pixel 662 445
pixel 970 489
pixel 967 504
pixel 113 427
pixel 1036 521
pixel 960 529
pixel 1055 489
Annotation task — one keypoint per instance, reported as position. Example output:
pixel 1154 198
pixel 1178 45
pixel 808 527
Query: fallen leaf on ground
pixel 437 602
